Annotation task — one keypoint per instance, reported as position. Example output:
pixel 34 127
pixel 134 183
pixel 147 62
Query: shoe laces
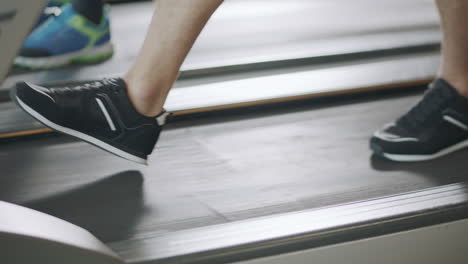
pixel 434 99
pixel 92 87
pixel 52 11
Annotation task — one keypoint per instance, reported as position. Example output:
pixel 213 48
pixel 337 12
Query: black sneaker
pixel 99 113
pixel 436 126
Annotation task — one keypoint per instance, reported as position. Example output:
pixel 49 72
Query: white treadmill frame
pixel 16 19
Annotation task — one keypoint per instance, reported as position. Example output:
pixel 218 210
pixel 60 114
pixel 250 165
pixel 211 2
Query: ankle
pixel 145 103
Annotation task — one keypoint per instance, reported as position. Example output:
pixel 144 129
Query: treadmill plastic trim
pixel 274 235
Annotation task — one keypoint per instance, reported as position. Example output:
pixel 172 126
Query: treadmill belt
pixel 240 90
pixel 221 168
pixel 262 32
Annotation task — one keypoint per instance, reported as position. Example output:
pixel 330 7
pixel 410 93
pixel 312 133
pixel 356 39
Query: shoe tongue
pixel 438 95
pixel 67 10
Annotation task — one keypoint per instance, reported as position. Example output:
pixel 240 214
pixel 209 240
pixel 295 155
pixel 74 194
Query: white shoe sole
pixel 414 158
pixel 101 144
pixel 89 54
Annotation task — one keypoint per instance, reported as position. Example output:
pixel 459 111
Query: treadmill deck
pixel 220 168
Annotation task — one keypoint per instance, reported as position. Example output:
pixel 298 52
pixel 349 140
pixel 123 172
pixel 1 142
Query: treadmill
pixel 281 176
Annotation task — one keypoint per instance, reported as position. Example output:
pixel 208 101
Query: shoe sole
pixel 414 158
pixel 87 56
pixel 77 134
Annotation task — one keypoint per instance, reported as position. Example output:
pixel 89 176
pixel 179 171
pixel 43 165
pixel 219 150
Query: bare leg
pixel 174 28
pixel 454 67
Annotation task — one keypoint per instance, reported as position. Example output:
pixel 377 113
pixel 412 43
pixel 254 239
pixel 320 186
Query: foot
pixel 436 126
pixel 66 39
pixel 99 113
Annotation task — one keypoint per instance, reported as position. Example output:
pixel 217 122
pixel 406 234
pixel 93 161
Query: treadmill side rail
pixel 305 230
pixel 29 236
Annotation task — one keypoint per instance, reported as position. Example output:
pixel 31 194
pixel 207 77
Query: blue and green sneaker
pixel 66 39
